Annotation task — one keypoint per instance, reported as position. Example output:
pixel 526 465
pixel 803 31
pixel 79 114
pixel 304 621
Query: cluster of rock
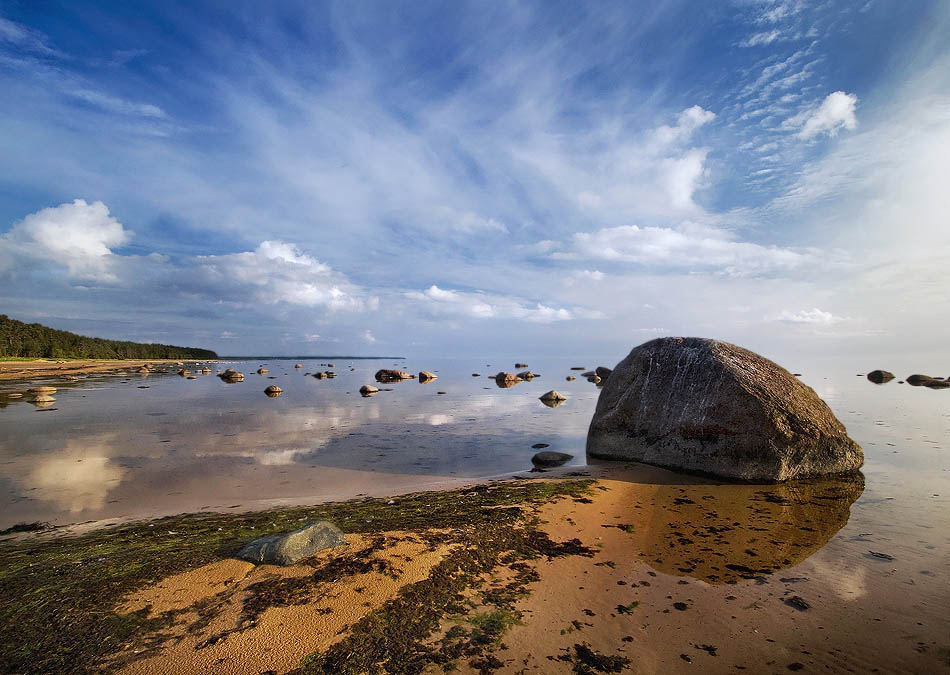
pixel 711 407
pixel 915 380
pixel 325 375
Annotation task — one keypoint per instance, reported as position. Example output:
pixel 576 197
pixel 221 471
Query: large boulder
pixel 286 549
pixel 711 407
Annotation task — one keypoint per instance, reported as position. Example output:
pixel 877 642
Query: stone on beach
pixel 292 547
pixel 711 407
pixel 880 376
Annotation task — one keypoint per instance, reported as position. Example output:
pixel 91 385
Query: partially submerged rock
pixel 292 547
pixel 918 380
pixel 41 390
pixel 880 376
pixel 389 375
pixel 231 375
pixel 711 407
pixel 552 395
pixel 551 458
pixel 262 370
pixel 273 390
pixel 526 375
pixel 521 365
pixel 570 378
pixel 427 376
pixel 602 372
pixel 298 365
pixel 368 390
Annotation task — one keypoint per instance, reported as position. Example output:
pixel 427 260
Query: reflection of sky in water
pixel 107 448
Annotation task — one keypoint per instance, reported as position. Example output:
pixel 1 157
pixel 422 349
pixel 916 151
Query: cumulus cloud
pixel 275 272
pixel 478 305
pixel 836 112
pixel 690 245
pixel 813 315
pixel 77 235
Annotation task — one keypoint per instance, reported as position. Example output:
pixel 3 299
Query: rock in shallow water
pixel 880 376
pixel 551 458
pixel 711 407
pixel 287 549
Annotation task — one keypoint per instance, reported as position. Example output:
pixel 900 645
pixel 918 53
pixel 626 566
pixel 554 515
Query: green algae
pixel 59 595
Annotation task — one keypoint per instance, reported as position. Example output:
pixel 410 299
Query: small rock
pixel 526 375
pixel 603 372
pixel 262 370
pixel 538 446
pixel 290 548
pixel 798 602
pixel 427 376
pixel 388 375
pixel 553 396
pixel 298 365
pixel 273 389
pixel 521 365
pixel 476 374
pixel 880 376
pixel 551 458
pixel 41 390
pixel 570 378
pixel 368 390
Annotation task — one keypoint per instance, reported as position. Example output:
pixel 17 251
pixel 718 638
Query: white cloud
pixel 813 315
pixel 687 122
pixel 836 112
pixel 79 236
pixel 761 39
pixel 478 305
pixel 26 38
pixel 690 245
pixel 368 336
pixel 227 335
pixel 276 272
pixel 117 105
pixel 682 177
pixel 470 223
pixel 311 337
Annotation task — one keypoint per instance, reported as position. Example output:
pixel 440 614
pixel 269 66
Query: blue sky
pixel 478 178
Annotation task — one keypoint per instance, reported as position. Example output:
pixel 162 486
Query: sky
pixel 491 179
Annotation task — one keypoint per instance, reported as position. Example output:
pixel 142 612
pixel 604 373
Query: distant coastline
pixel 306 358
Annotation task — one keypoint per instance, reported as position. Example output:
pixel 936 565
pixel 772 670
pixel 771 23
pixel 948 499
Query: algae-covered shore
pixel 614 568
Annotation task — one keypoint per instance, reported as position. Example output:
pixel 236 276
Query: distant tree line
pixel 33 340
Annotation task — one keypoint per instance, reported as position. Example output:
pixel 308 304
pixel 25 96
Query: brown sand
pixel 694 612
pixel 281 636
pixel 688 575
pixel 25 370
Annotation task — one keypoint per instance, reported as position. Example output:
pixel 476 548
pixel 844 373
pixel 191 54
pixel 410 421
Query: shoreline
pixel 595 569
pixel 27 370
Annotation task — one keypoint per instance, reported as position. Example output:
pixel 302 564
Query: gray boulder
pixel 287 549
pixel 711 407
pixel 880 376
pixel 602 372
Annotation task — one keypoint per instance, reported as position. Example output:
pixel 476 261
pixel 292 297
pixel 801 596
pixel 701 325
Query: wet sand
pixel 670 573
pixel 27 370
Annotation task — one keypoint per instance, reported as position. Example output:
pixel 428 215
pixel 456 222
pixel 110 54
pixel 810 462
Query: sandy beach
pixel 615 568
pixel 27 370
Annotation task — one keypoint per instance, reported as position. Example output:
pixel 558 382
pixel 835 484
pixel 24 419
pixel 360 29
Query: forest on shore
pixel 34 340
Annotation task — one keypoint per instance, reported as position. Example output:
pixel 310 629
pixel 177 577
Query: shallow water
pixel 109 448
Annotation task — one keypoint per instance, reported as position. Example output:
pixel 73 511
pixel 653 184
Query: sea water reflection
pixel 110 448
